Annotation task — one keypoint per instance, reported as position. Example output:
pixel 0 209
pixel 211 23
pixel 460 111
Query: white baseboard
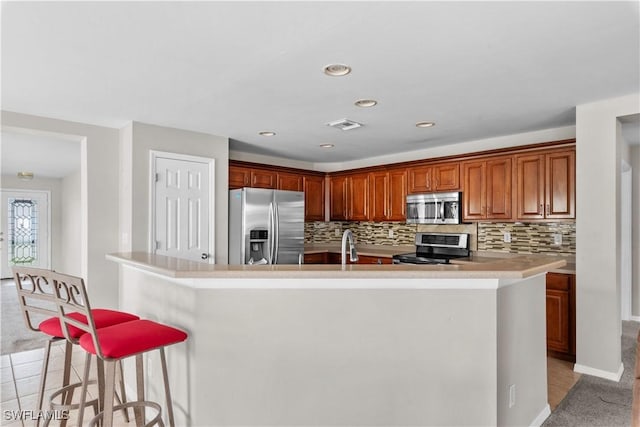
pixel 613 376
pixel 542 416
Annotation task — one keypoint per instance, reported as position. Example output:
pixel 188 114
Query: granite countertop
pixel 481 257
pixel 517 267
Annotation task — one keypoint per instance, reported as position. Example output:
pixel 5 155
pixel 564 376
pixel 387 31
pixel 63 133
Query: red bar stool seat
pixel 113 343
pixel 37 297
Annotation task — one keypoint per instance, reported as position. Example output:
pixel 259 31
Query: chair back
pixel 36 294
pixel 71 298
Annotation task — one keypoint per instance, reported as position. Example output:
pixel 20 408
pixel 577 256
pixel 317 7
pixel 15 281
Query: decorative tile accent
pixel 366 233
pixel 527 238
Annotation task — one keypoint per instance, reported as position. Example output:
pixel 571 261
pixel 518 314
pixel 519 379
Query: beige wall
pixel 99 193
pixel 598 148
pixel 136 142
pixel 71 225
pixel 635 224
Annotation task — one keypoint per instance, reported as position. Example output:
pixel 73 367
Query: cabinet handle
pixel 540 210
pixel 548 210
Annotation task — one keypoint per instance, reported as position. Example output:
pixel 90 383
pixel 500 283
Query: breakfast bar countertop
pixel 517 267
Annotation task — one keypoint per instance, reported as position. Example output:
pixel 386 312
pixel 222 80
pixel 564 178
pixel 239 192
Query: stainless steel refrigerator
pixel 266 226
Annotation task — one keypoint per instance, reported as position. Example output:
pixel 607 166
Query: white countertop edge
pixel 351 283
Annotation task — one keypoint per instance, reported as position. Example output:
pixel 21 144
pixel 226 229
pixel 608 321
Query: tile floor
pixel 20 374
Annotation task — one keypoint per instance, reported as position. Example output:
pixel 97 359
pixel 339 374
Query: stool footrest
pixel 69 406
pixel 155 421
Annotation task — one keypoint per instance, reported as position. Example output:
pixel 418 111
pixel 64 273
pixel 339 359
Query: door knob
pixel 204 256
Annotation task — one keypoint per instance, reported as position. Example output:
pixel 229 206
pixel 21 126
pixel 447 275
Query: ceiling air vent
pixel 344 124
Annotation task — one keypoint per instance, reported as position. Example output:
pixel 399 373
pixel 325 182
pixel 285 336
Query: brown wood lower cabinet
pixel 561 316
pixel 317 258
pixel 336 258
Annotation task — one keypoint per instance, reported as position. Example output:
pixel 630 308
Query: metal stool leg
pixel 139 411
pixel 109 392
pixel 43 376
pixel 167 392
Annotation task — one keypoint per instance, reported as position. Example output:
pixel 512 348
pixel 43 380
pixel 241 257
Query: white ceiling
pixel 45 156
pixel 478 69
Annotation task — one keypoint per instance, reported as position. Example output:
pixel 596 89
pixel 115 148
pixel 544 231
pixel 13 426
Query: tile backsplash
pixel 525 237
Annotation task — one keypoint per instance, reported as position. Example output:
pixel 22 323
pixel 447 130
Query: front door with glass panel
pixel 24 230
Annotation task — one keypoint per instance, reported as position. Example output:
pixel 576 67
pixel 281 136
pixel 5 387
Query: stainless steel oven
pixel 434 208
pixel 436 248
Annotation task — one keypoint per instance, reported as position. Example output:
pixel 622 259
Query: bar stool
pixel 113 344
pixel 37 296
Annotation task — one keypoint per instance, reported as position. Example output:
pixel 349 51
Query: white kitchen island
pixel 361 345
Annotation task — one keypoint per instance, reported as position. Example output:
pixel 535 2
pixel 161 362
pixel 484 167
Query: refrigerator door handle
pixel 271 233
pixel 276 234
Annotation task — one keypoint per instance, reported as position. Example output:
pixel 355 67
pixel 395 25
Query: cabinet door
pixel 560 185
pixel 319 258
pixel 419 179
pixel 263 179
pixel 499 178
pixel 379 195
pixel 473 190
pixel 314 198
pixel 358 197
pixel 289 181
pixel 557 320
pixel 397 204
pixel 530 186
pixel 338 198
pixel 239 177
pixel 446 177
pixel 561 315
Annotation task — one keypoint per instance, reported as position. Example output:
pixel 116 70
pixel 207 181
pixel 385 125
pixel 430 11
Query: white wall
pixel 598 154
pixel 71 225
pixel 54 186
pixel 635 242
pixel 136 141
pixel 99 192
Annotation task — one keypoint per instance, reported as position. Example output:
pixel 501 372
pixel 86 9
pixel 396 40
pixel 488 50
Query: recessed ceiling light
pixel 337 70
pixel 267 133
pixel 365 103
pixel 25 176
pixel 326 145
pixel 425 124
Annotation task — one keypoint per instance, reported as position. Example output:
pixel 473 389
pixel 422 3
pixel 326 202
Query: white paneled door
pixel 183 217
pixel 24 234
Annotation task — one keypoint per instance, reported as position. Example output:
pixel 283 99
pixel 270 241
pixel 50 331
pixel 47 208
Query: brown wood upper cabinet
pixel 486 187
pixel 436 177
pixel 546 185
pixel 387 195
pixel 290 181
pixel 313 198
pixel 239 177
pixel 263 179
pixel 263 176
pixel 349 195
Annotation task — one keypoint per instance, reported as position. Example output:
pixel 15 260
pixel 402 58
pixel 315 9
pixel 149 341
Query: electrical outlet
pixel 337 232
pixel 507 237
pixel 557 239
pixel 391 233
pixel 512 395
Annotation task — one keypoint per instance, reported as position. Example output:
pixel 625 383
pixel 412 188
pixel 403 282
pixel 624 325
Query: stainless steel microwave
pixel 434 208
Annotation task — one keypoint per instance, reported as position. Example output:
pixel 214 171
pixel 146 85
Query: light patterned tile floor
pixel 20 381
